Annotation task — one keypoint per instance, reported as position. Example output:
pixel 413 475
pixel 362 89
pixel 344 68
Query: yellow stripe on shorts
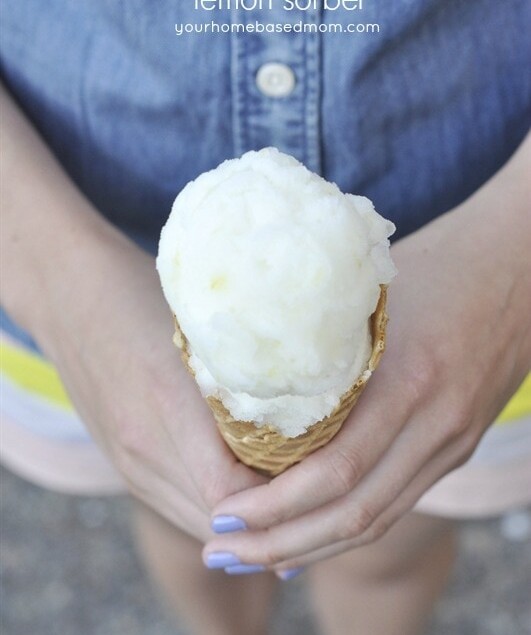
pixel 520 404
pixel 32 373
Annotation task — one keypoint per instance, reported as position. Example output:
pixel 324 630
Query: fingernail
pixel 221 559
pixel 241 569
pixel 289 574
pixel 226 524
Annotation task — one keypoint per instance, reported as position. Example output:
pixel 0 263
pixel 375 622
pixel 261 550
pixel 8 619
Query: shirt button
pixel 275 80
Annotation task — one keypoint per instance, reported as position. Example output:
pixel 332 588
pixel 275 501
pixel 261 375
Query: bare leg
pixel 209 602
pixel 389 587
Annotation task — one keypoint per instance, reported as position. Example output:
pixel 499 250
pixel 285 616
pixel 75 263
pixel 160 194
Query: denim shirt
pixel 415 116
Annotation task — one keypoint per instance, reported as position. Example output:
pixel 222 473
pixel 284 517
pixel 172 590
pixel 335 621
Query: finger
pixel 212 466
pixel 142 451
pixel 162 497
pixel 207 460
pixel 335 469
pixel 161 483
pixel 405 503
pixel 346 518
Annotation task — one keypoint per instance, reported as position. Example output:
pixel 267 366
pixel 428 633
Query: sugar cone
pixel 267 450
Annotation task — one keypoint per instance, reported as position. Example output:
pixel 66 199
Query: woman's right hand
pixel 93 302
pixel 111 342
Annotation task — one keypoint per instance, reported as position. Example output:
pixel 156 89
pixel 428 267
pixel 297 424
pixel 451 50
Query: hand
pixel 93 302
pixel 112 344
pixel 459 344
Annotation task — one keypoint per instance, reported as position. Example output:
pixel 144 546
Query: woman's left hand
pixel 458 346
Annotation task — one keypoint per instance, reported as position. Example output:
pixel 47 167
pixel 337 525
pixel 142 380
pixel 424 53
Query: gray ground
pixel 68 566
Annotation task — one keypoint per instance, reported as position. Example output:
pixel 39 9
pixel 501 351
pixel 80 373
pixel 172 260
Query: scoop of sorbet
pixel 272 274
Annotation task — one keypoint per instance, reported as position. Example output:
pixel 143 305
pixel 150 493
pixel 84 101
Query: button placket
pixel 276 86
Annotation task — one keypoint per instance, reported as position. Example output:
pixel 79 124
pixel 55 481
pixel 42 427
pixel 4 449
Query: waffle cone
pixel 267 450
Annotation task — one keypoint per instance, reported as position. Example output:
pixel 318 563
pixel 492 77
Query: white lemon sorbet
pixel 273 274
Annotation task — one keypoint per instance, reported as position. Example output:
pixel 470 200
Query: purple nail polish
pixel 226 524
pixel 221 559
pixel 241 569
pixel 289 574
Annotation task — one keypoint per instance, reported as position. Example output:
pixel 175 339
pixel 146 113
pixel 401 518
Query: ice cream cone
pixel 267 450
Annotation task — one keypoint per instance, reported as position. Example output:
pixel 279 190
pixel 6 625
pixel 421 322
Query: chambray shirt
pixel 416 116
